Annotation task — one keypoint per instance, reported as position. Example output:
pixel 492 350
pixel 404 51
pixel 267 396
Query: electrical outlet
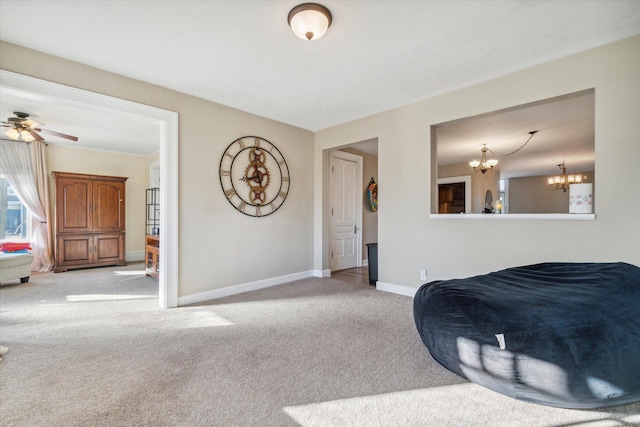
pixel 423 274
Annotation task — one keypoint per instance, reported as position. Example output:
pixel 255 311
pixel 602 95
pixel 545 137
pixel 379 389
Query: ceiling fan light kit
pixel 309 21
pixel 21 128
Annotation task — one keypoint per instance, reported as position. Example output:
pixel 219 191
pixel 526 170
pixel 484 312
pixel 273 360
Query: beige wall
pixel 65 159
pixel 218 246
pixel 532 195
pixel 409 239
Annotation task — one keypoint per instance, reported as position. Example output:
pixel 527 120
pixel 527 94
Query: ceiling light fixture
pixel 13 133
pixel 19 135
pixel 309 21
pixel 486 165
pixel 562 182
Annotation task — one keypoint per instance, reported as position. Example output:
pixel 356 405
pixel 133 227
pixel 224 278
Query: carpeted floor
pixel 92 348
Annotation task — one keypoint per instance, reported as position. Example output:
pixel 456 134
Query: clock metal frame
pixel 254 176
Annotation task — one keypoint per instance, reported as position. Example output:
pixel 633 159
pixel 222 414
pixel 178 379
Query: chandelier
pixel 484 164
pixel 562 182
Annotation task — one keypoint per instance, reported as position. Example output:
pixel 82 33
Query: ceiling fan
pixel 22 128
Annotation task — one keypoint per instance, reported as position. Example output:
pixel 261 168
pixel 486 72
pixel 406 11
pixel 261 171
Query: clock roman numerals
pixel 254 176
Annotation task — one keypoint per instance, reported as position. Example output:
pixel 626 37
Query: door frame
pixel 167 122
pixel 333 154
pixel 466 179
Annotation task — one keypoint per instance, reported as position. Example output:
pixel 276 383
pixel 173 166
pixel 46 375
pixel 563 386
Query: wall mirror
pixel 488 202
pixel 519 182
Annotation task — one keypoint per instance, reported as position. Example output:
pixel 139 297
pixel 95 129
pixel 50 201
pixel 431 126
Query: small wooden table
pixel 152 265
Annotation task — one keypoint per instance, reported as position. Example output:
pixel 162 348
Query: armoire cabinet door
pixel 75 249
pixel 108 248
pixel 74 199
pixel 81 249
pixel 108 206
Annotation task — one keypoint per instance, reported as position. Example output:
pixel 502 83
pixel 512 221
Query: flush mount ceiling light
pixel 309 21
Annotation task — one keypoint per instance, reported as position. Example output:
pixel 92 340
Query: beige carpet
pixel 92 348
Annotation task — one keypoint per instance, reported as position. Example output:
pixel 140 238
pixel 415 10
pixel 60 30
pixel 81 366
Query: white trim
pixel 134 256
pixel 169 224
pixel 396 289
pixel 467 189
pixel 241 288
pixel 564 217
pixel 365 263
pixel 322 273
pixel 167 121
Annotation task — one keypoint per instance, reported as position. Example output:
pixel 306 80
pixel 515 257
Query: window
pixel 14 216
pixel 503 196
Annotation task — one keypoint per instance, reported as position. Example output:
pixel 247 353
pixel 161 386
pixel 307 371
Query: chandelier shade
pixel 19 135
pixel 309 21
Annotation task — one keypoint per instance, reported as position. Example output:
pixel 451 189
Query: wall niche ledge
pixel 503 217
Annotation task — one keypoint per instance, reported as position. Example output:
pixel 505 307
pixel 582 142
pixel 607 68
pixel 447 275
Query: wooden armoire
pixel 90 220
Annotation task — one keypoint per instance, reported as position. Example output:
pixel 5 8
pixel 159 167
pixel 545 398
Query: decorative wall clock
pixel 254 176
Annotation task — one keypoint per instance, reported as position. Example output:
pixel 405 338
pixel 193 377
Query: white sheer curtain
pixel 24 166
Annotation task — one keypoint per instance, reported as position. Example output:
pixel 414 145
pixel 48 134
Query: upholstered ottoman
pixel 15 266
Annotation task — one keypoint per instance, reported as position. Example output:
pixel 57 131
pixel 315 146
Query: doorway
pixel 167 122
pixel 454 195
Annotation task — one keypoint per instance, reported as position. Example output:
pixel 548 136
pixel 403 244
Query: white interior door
pixel 346 211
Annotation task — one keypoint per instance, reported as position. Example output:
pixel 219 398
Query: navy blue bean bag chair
pixel 557 334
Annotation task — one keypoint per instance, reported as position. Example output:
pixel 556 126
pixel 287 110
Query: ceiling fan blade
pixel 36 136
pixel 58 134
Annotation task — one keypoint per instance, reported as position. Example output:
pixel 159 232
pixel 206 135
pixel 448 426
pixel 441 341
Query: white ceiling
pixel 377 55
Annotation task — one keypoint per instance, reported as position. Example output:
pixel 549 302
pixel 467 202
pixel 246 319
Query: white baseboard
pixel 365 263
pixel 133 256
pixel 396 289
pixel 322 273
pixel 241 288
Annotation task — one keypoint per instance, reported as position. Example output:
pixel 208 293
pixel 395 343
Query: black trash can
pixel 372 250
